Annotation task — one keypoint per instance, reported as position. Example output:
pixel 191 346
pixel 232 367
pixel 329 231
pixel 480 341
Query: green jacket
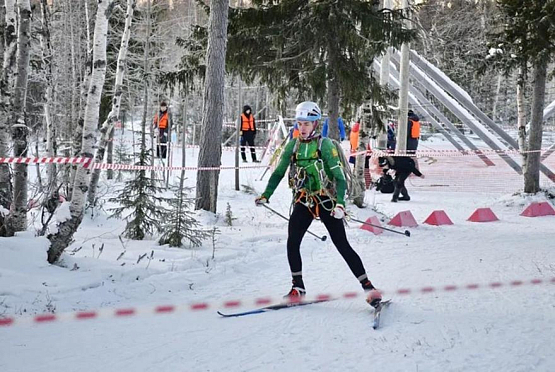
pixel 307 159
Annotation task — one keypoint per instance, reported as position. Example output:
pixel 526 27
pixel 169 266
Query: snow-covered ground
pixel 501 329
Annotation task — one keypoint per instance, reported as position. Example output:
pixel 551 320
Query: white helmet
pixel 307 111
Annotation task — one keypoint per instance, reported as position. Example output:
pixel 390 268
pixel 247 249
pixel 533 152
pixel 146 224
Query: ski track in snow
pixel 504 329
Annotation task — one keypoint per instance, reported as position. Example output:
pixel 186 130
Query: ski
pixel 378 313
pixel 273 307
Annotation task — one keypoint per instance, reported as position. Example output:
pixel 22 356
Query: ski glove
pixel 339 212
pixel 260 200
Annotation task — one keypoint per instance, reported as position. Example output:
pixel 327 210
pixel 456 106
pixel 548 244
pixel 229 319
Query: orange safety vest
pixel 162 122
pixel 247 123
pixel 353 137
pixel 415 131
pixel 296 133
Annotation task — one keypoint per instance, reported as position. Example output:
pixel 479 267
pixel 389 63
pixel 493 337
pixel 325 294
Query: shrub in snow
pixel 179 221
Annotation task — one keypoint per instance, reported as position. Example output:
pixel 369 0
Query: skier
pixel 314 162
pixel 248 133
pixel 403 166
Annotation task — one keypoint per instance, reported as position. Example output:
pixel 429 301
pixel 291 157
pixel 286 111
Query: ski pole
pixel 322 238
pixel 406 233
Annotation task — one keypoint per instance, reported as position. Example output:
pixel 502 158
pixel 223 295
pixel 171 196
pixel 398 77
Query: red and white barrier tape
pixel 173 168
pixel 87 163
pixel 445 153
pixel 46 160
pixel 174 144
pixel 257 302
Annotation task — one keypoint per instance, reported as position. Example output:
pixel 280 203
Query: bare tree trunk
pixel 333 104
pixel 113 116
pixel 17 220
pixel 74 114
pixel 110 155
pixel 521 117
pixel 46 47
pixel 496 98
pixel 212 118
pixel 8 63
pixel 145 97
pixel 66 229
pixel 359 182
pixel 532 175
pixel 2 27
pixel 403 92
pixel 78 131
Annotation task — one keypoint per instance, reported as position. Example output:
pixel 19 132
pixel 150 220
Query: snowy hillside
pixel 486 329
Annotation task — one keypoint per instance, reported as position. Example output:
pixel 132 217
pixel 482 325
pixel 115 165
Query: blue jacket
pixel 341 125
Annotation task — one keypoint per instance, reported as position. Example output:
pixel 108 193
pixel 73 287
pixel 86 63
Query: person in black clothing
pixel 248 133
pixel 403 166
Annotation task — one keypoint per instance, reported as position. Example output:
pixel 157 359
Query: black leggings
pixel 300 221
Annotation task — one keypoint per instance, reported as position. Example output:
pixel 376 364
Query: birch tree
pixel 521 115
pixel 114 115
pixel 46 49
pixel 77 141
pixel 213 108
pixel 66 229
pixel 9 39
pixel 17 220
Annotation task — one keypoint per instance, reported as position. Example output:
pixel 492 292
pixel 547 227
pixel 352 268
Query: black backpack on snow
pixel 385 184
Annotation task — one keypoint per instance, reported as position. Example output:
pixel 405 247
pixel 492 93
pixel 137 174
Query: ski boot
pixel 296 294
pixel 373 296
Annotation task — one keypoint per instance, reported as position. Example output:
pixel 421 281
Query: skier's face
pixel 163 108
pixel 306 128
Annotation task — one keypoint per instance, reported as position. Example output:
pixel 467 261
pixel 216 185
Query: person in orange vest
pixel 162 121
pixel 413 132
pixel 353 139
pixel 248 133
pixel 294 132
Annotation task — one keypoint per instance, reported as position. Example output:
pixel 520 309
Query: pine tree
pixel 229 215
pixel 315 48
pixel 180 223
pixel 139 197
pixel 122 157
